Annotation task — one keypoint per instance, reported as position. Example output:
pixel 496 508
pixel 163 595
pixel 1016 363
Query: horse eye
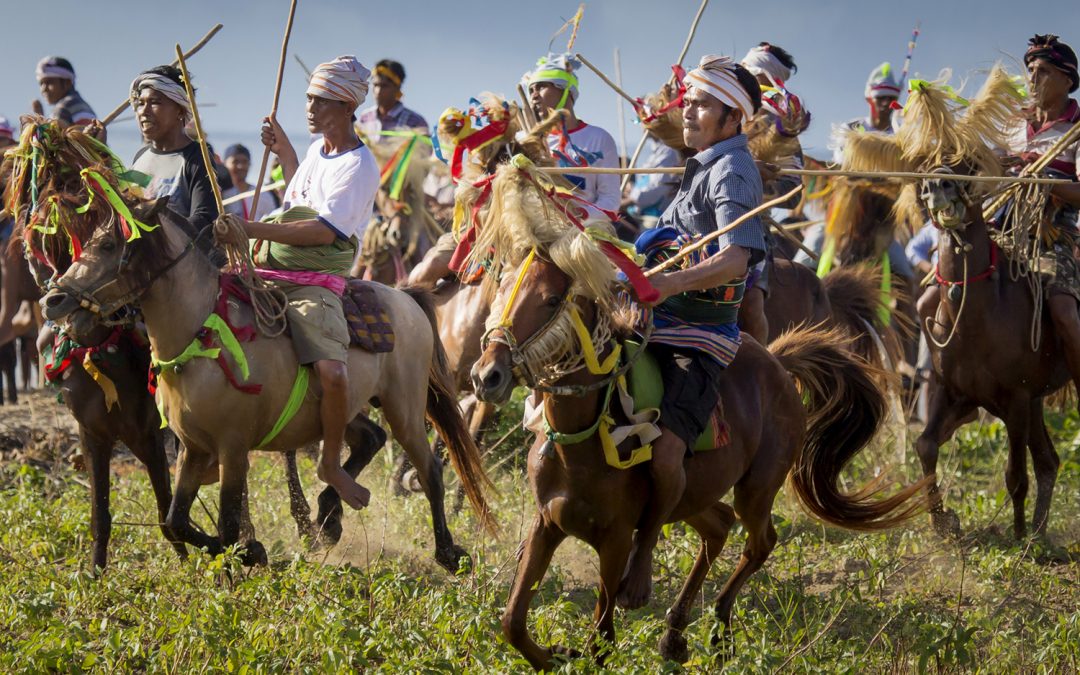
pixel 553 301
pixel 108 245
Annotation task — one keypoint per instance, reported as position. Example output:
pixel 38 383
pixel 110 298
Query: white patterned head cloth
pixel 761 61
pixel 55 66
pixel 882 83
pixel 558 69
pixel 163 85
pixel 343 79
pixel 715 75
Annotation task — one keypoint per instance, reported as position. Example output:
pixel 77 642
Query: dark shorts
pixel 759 276
pixel 691 390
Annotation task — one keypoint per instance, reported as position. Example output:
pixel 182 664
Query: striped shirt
pixel 399 117
pixel 1030 143
pixel 720 184
pixel 72 109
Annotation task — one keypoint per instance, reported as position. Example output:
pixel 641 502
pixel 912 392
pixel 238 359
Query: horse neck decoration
pixel 178 291
pixel 980 317
pixel 555 296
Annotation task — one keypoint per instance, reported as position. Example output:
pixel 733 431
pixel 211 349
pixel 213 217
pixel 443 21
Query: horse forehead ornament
pixel 945 199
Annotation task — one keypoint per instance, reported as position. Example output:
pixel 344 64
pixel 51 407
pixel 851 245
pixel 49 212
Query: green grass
pixel 826 601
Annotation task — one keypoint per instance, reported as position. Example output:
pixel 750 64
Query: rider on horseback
pixel 696 335
pixel 334 188
pixel 1052 76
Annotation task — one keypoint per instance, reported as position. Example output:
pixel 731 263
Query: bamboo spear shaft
pixel 712 236
pixel 674 170
pixel 244 195
pixel 607 80
pixel 678 62
pixel 530 114
pixel 214 187
pixel 1039 164
pixel 273 109
pixel 198 45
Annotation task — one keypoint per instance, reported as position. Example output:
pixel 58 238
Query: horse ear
pixel 149 210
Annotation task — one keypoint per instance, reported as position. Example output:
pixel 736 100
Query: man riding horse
pixel 334 187
pixel 696 335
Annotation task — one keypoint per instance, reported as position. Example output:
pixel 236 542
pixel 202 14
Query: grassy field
pixel 826 601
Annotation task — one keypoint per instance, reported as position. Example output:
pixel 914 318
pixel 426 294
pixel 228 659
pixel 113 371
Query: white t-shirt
pixel 340 187
pixel 591 146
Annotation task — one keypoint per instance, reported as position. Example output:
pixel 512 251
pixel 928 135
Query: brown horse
pixel 771 436
pixel 177 291
pixel 979 337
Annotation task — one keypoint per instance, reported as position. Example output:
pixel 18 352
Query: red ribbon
pixel 492 131
pixel 676 102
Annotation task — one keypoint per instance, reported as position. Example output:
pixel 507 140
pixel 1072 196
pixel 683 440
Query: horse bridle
pixel 521 360
pixel 112 313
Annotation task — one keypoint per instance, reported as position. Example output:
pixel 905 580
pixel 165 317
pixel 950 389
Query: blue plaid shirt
pixel 719 185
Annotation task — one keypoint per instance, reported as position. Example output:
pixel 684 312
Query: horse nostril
pixel 493 379
pixel 54 300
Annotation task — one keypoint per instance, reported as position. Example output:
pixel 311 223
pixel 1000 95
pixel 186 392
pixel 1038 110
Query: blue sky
pixel 455 50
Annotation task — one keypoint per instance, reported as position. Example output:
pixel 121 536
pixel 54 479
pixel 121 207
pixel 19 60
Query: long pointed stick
pixel 215 188
pixel 621 112
pixel 273 109
pixel 198 45
pixel 712 236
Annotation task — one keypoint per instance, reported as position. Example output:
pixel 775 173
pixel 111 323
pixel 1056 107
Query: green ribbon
pixel 828 254
pixel 292 406
pixel 137 226
pixel 884 313
pixel 196 350
pixel 585 434
pixel 915 85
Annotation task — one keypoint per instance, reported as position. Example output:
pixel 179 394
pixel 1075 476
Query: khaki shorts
pixel 317 324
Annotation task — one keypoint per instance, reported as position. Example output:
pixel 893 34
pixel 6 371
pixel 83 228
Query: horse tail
pixel 445 416
pixel 845 407
pixel 854 293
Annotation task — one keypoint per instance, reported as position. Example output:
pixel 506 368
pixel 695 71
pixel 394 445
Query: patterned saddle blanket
pixel 369 322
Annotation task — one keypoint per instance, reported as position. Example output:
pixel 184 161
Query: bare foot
pixel 351 492
pixel 636 587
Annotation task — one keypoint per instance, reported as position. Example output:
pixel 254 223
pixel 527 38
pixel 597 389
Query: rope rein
pixel 267 302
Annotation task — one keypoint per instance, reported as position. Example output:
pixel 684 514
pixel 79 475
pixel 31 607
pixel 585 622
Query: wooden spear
pixel 712 236
pixel 274 107
pixel 198 45
pixel 214 187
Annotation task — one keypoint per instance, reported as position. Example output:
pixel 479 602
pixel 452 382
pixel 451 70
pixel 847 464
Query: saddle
pixel 646 388
pixel 369 322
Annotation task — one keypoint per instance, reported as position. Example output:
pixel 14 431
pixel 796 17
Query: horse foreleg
pixel 754 510
pixel 713 525
pixel 298 504
pixel 365 439
pixel 232 503
pixel 99 451
pixel 945 417
pixel 536 552
pixel 614 552
pixel 1045 461
pixel 1017 425
pixel 191 465
pixel 151 450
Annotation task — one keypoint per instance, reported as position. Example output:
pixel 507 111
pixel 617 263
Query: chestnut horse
pixel 979 337
pixel 771 436
pixel 177 292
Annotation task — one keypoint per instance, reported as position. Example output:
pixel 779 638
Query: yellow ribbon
pixel 103 381
pixel 588 349
pixel 504 320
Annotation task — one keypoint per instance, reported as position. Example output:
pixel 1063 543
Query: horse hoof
pixel 254 555
pixel 328 534
pixel 724 644
pixel 634 595
pixel 410 482
pixel 564 653
pixel 946 524
pixel 673 647
pixel 455 560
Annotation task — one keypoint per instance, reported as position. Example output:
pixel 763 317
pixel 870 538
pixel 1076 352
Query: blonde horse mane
pixel 940 130
pixel 522 217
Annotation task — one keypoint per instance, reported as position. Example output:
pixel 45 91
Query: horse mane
pixel 522 217
pixel 54 208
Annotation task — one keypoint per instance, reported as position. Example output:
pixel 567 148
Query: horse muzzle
pixel 492 381
pixel 58 304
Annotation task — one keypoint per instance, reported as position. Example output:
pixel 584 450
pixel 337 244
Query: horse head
pixel 947 200
pixel 113 269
